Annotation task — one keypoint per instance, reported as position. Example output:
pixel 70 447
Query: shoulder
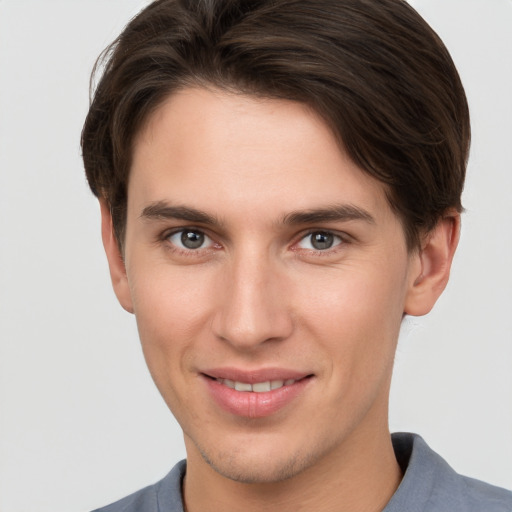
pixel 481 496
pixel 453 492
pixel 164 495
pixel 429 480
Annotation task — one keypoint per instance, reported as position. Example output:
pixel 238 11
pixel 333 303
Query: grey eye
pixel 320 241
pixel 190 239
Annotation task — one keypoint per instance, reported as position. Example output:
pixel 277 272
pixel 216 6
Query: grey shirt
pixel 429 485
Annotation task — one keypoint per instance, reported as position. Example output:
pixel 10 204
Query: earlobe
pixel 115 260
pixel 435 260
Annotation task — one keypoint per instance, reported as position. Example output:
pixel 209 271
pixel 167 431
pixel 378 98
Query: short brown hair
pixel 373 69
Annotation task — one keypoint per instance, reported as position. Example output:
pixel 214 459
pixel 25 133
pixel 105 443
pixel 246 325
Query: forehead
pixel 201 146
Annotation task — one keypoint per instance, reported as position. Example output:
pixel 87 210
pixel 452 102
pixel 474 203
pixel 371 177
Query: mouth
pixel 257 387
pixel 255 394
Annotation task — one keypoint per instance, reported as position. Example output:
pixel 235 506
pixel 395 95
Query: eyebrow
pixel 161 210
pixel 335 213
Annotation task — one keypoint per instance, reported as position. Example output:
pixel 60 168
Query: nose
pixel 252 308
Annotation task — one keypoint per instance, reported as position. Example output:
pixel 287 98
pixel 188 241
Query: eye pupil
pixel 322 240
pixel 192 239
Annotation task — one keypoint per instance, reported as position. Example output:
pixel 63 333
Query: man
pixel 280 184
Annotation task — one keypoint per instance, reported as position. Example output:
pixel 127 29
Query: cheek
pixel 356 314
pixel 172 307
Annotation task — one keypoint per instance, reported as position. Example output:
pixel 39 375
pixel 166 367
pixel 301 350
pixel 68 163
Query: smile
pixel 255 394
pixel 256 387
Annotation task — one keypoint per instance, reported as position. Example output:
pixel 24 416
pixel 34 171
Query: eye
pixel 320 241
pixel 190 239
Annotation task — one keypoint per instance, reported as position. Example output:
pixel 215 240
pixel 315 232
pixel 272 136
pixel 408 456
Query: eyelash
pixel 342 238
pixel 200 251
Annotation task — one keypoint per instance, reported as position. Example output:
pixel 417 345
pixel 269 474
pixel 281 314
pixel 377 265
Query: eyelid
pixel 167 234
pixel 343 237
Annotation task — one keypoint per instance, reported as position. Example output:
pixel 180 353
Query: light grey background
pixel 81 423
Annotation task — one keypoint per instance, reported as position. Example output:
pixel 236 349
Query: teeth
pixel 243 386
pixel 261 387
pixel 276 384
pixel 229 383
pixel 257 387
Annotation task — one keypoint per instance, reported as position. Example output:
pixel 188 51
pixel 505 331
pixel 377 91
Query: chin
pixel 259 466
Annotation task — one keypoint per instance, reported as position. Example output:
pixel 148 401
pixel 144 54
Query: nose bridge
pixel 251 310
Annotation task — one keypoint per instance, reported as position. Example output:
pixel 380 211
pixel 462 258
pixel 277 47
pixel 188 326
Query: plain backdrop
pixel 81 423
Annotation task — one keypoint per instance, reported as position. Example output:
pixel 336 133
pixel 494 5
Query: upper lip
pixel 256 375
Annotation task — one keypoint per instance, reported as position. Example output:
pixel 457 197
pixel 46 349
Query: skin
pixel 258 294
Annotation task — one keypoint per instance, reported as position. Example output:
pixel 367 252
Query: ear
pixel 434 261
pixel 115 259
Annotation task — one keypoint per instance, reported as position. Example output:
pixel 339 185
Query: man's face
pixel 257 254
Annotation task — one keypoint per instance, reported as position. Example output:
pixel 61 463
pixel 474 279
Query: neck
pixel 360 476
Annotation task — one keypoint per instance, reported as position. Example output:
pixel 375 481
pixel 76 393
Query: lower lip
pixel 249 404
